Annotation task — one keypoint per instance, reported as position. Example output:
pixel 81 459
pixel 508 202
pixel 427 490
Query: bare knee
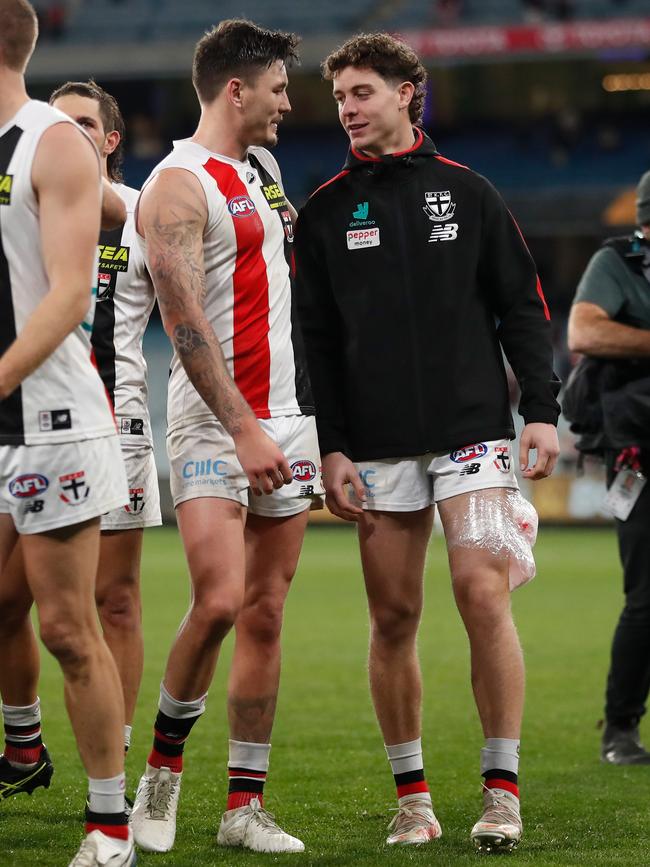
pixel 396 622
pixel 482 598
pixel 15 616
pixel 119 606
pixel 71 645
pixel 262 619
pixel 214 615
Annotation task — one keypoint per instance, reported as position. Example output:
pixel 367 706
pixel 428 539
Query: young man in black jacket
pixel 411 276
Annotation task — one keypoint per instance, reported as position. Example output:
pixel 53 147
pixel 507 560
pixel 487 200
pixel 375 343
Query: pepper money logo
pixel 6 182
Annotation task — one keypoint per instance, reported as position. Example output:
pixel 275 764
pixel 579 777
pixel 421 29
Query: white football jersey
pixel 125 299
pixel 64 399
pixel 248 300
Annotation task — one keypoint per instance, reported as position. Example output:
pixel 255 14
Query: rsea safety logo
pixel 6 182
pixel 303 470
pixel 469 453
pixel 113 258
pixel 241 206
pixel 28 485
pixel 274 196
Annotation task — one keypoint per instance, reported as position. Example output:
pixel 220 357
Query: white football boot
pixel 500 827
pixel 153 818
pixel 414 823
pixel 252 827
pixel 98 850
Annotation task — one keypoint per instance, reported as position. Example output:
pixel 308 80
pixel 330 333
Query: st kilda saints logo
pixel 440 207
pixel 74 488
pixel 136 501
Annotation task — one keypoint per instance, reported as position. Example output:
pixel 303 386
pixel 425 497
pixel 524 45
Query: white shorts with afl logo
pixel 51 486
pixel 409 484
pixel 203 463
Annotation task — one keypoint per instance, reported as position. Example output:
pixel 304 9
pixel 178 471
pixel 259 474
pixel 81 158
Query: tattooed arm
pixel 172 214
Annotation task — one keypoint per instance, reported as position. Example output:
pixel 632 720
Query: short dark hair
pixel 18 32
pixel 110 113
pixel 393 60
pixel 237 48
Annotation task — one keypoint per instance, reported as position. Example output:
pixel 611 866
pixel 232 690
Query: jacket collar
pixel 421 147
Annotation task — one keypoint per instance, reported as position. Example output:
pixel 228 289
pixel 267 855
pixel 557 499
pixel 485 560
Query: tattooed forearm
pixel 173 218
pixel 187 340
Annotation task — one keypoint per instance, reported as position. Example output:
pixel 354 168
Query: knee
pixel 481 599
pixel 395 623
pixel 119 606
pixel 214 615
pixel 262 619
pixel 15 616
pixel 68 643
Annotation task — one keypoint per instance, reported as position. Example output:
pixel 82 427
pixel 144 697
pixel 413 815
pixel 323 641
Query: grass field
pixel 330 783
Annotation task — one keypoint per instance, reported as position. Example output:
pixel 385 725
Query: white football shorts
pixel 143 508
pixel 44 487
pixel 203 463
pixel 409 484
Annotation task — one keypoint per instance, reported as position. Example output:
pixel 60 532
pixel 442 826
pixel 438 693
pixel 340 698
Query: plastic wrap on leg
pixel 501 521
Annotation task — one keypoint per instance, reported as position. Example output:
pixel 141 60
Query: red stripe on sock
pixel 496 783
pixel 258 775
pixel 121 832
pixel 158 760
pixel 412 788
pixel 21 755
pixel 241 799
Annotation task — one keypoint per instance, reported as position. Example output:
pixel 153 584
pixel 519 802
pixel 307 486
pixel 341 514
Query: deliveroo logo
pixel 361 212
pixel 360 216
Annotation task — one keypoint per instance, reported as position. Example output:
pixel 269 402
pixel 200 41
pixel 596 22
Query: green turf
pixel 330 783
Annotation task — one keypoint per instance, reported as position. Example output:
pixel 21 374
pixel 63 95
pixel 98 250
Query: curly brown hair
pixel 393 60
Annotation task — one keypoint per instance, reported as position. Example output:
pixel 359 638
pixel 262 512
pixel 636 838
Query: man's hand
pixel 338 471
pixel 263 462
pixel 543 438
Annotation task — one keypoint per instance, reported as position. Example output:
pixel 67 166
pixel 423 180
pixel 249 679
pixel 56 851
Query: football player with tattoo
pixel 217 231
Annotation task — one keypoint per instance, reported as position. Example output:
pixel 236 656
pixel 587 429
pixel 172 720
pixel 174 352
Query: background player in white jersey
pixel 124 303
pixel 60 465
pixel 217 230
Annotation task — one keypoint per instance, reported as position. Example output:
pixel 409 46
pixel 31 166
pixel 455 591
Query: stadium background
pixel 547 98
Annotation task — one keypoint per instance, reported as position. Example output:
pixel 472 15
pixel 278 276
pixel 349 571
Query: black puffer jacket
pixel 410 276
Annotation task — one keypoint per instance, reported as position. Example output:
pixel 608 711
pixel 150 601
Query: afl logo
pixel 28 485
pixel 303 471
pixel 469 453
pixel 241 206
